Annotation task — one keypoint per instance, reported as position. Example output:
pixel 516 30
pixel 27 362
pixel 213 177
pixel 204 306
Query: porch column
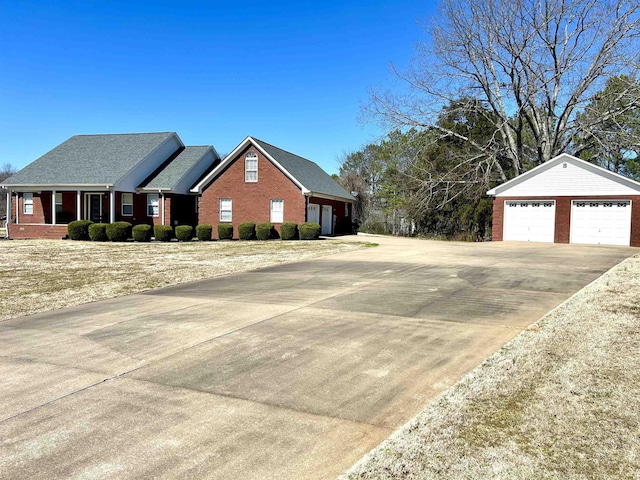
pixel 112 206
pixel 17 207
pixel 8 214
pixel 78 206
pixel 53 208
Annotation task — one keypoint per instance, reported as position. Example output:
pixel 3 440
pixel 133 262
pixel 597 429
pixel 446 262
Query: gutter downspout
pixel 162 197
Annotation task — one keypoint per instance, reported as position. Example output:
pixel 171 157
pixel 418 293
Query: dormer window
pixel 251 167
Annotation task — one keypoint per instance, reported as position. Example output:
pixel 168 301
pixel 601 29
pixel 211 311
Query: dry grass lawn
pixel 561 400
pixel 42 275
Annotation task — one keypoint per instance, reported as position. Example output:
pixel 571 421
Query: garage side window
pixel 152 204
pixel 251 167
pixel 127 204
pixel 277 211
pixel 226 213
pixel 27 203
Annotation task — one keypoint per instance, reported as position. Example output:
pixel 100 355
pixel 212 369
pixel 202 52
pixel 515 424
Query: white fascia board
pixel 23 187
pixel 214 173
pixel 329 197
pixel 125 179
pixel 280 167
pixel 564 157
pixel 184 183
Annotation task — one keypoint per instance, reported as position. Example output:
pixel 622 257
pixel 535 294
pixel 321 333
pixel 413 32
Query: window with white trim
pixel 27 203
pixel 152 204
pixel 127 204
pixel 277 211
pixel 226 210
pixel 251 167
pixel 58 202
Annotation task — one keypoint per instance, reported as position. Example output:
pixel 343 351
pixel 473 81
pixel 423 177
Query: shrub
pixel 79 230
pixel 119 231
pixel 225 231
pixel 163 233
pixel 289 231
pixel 141 233
pixel 203 232
pixel 265 231
pixel 184 233
pixel 98 232
pixel 246 231
pixel 309 231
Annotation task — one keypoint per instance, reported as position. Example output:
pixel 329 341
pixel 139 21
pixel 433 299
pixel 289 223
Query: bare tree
pixel 532 64
pixel 6 171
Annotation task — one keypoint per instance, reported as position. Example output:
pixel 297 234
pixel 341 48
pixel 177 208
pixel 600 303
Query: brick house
pixel 139 178
pixel 259 182
pixel 568 200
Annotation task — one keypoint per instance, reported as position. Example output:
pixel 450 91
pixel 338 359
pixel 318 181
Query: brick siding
pixel 251 200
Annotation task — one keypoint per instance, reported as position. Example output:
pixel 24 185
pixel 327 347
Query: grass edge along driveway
pixel 43 275
pixel 561 400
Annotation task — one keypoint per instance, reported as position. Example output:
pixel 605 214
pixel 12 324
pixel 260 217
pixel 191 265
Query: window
pixel 127 204
pixel 27 203
pixel 277 211
pixel 251 167
pixel 346 209
pixel 152 204
pixel 58 203
pixel 225 210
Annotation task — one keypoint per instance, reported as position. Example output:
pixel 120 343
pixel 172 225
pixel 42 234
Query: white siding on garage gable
pixel 573 179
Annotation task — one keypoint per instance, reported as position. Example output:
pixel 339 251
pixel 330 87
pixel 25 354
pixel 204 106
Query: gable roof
pixel 91 159
pixel 173 172
pixel 307 175
pixel 579 178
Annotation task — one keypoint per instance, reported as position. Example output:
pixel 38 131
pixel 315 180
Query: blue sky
pixel 292 73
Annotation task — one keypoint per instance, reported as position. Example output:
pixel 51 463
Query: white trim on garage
pixel 529 220
pixel 601 221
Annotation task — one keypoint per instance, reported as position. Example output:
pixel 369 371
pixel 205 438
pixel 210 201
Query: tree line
pixel 500 87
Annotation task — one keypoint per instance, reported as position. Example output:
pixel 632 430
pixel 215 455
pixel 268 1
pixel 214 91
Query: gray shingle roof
pixel 305 171
pixel 169 175
pixel 89 159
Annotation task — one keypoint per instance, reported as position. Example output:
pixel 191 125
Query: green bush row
pixel 267 231
pixel 123 231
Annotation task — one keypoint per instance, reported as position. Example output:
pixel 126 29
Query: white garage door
pixel 529 221
pixel 601 222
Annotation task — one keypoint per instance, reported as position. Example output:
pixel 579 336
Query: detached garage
pixel 568 200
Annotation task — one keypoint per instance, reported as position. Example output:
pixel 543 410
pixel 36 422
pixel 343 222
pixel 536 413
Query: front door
pixel 95 208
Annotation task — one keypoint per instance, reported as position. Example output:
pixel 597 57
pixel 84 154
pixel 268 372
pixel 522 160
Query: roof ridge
pixel 113 134
pixel 285 151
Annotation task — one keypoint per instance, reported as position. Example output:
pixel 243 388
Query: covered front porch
pixel 46 213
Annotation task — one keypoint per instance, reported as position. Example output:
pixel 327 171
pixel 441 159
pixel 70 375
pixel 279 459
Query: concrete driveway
pixel 293 371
